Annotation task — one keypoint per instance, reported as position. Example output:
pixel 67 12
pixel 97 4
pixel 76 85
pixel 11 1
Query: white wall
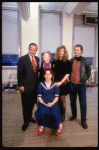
pixel 30 29
pixel 68 33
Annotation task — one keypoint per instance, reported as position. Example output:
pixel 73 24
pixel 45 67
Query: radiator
pixel 93 80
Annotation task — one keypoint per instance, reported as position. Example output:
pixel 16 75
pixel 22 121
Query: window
pixel 50 32
pixel 10 41
pixel 86 37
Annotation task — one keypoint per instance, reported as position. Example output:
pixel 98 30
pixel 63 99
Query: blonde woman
pixel 62 70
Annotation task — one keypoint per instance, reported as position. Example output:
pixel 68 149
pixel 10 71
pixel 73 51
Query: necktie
pixel 33 64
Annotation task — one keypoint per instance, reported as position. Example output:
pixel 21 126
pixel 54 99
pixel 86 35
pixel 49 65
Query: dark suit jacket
pixel 25 73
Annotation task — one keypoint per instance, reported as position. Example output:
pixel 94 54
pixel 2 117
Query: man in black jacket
pixel 81 72
pixel 27 74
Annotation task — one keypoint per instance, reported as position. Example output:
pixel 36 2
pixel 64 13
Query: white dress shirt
pixel 33 59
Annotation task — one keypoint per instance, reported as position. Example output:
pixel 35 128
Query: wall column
pixel 68 33
pixel 30 29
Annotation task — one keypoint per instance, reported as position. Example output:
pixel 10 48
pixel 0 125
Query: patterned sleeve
pixel 57 90
pixel 39 93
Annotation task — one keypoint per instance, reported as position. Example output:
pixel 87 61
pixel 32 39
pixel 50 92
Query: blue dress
pixel 48 116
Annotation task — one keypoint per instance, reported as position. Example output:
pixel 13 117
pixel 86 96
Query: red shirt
pixel 75 74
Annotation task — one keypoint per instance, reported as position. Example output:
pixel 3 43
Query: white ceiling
pixel 93 7
pixel 52 5
pixel 78 8
pixel 69 6
pixel 62 6
pixel 9 4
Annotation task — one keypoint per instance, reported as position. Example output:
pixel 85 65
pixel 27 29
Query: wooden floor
pixel 73 135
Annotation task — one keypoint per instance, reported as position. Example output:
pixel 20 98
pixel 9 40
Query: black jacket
pixel 25 73
pixel 85 69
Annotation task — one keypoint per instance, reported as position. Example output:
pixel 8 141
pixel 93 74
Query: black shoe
pixel 72 118
pixel 32 120
pixel 84 124
pixel 24 127
pixel 63 119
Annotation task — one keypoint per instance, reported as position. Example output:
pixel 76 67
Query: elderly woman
pixel 62 70
pixel 46 64
pixel 48 112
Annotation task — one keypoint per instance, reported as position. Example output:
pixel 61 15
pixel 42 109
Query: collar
pixel 78 58
pixel 44 85
pixel 31 56
pixel 33 59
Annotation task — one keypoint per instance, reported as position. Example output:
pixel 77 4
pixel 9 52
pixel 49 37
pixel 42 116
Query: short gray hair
pixel 50 55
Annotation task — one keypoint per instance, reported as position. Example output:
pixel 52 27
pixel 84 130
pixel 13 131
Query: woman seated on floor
pixel 48 112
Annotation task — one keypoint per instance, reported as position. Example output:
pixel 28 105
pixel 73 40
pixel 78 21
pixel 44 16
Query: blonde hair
pixel 65 57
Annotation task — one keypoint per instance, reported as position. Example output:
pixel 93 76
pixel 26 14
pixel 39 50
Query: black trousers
pixel 81 90
pixel 28 101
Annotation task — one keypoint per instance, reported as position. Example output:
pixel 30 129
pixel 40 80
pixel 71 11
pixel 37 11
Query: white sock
pixel 60 127
pixel 41 128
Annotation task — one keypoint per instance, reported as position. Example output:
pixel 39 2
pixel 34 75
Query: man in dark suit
pixel 27 74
